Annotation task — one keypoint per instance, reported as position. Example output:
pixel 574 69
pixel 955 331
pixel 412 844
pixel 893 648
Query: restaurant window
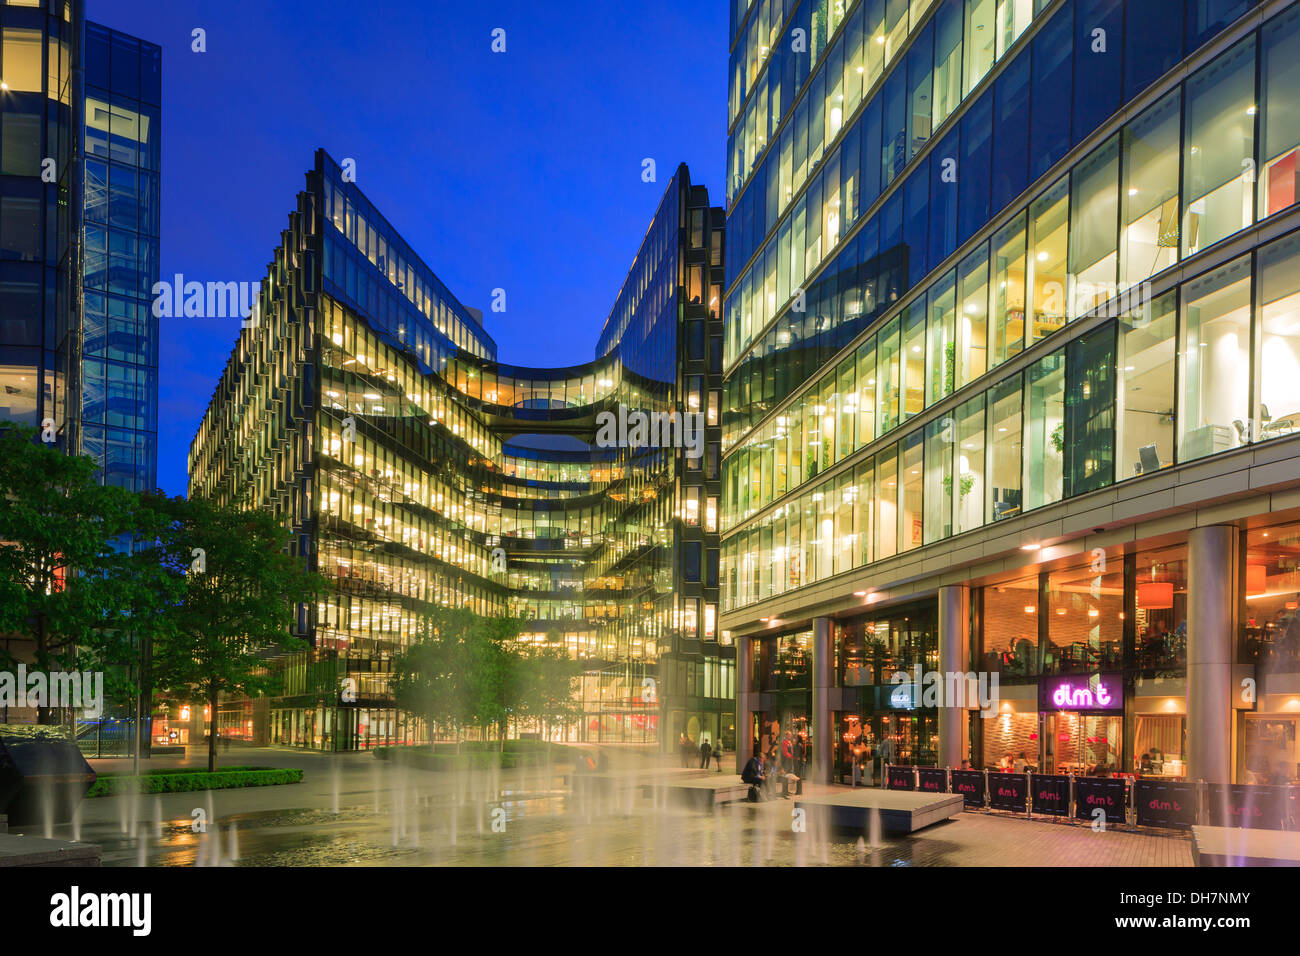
pixel 1160 613
pixel 1219 149
pixel 1280 120
pixel 1277 341
pixel 1146 388
pixel 1045 431
pixel 1270 634
pixel 1048 232
pixel 1094 214
pixel 1268 753
pixel 1213 360
pixel 1010 630
pixel 1149 200
pixel 1085 619
pixel 1008 291
pixel 1004 449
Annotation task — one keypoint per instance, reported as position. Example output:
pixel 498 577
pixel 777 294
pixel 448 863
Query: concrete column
pixel 954 633
pixel 1212 570
pixel 744 702
pixel 821 718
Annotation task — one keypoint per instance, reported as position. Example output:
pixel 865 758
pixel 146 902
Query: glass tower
pixel 367 408
pixel 79 198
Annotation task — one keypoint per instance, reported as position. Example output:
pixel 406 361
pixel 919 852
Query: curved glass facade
pixel 417 470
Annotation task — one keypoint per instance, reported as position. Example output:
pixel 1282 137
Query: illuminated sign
pixel 1081 692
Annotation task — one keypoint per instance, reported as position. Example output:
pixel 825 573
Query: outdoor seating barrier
pixel 1146 801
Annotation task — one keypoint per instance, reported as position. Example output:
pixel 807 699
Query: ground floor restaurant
pixel 1178 661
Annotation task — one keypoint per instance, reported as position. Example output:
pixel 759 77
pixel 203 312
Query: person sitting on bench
pixel 754 775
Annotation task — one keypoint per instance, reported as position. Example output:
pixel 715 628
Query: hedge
pixel 185 781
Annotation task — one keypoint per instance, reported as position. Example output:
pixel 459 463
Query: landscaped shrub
pixel 185 781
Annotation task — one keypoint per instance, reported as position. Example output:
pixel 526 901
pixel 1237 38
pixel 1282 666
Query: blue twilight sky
pixel 519 170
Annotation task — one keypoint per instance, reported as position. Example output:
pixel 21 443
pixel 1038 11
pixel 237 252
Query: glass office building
pixel 366 406
pixel 79 197
pixel 1013 297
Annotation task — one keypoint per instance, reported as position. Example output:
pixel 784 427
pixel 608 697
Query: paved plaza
pixel 353 809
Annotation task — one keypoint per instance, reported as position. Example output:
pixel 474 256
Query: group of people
pixel 705 753
pixel 789 756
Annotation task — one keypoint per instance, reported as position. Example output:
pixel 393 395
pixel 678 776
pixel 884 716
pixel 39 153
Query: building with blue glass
pixel 79 198
pixel 1012 323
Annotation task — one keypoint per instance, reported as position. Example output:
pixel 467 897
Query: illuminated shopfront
pixel 887 721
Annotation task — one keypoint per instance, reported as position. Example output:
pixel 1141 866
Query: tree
pixel 64 564
pixel 547 686
pixel 238 600
pixel 461 672
pixel 428 679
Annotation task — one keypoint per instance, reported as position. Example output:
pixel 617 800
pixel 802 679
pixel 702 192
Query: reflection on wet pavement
pixel 352 813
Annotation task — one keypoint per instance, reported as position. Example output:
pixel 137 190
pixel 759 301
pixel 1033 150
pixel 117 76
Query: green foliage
pixel 967 483
pixel 466 670
pixel 186 781
pixel 98 575
pixel 231 609
pixel 64 573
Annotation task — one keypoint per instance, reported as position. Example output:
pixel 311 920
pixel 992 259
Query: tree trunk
pixel 44 714
pixel 212 728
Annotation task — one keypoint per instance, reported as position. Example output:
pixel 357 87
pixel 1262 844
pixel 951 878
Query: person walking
pixel 706 754
pixel 717 755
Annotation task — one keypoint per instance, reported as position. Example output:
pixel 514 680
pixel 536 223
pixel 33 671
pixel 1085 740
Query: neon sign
pixel 1082 692
pixel 1081 698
